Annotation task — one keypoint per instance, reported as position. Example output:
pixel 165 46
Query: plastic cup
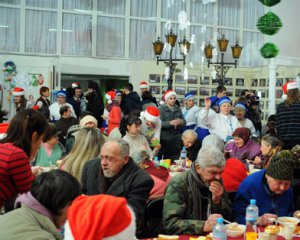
pixel 251 168
pixel 167 162
pixel 263 236
pixel 288 231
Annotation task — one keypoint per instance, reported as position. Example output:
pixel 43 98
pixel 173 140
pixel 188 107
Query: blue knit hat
pixel 222 100
pixel 61 93
pixel 188 95
pixel 241 105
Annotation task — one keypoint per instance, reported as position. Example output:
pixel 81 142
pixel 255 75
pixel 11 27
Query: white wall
pixel 288 38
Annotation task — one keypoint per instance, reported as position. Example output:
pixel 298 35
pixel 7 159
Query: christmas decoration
pixel 270 3
pixel 269 23
pixel 269 50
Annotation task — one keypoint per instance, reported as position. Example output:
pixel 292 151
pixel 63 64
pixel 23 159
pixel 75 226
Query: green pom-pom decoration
pixel 269 50
pixel 269 23
pixel 269 3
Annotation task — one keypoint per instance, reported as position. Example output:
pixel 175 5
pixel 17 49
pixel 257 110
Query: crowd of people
pixel 110 151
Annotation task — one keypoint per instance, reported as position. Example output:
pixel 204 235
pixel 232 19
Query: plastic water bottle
pixel 219 230
pixel 183 154
pixel 156 161
pixel 251 220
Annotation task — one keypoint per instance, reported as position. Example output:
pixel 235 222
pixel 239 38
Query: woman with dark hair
pixel 43 209
pixel 17 149
pixel 43 102
pixel 288 117
pixel 51 149
pixel 139 146
pixel 147 100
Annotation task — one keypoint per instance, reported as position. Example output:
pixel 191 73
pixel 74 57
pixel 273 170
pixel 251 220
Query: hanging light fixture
pixel 170 62
pixel 222 66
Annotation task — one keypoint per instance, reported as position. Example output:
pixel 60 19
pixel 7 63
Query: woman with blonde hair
pixel 86 147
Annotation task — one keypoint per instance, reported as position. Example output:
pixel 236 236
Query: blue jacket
pixel 256 187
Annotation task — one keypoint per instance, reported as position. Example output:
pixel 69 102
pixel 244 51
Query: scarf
pixel 199 189
pixel 29 201
pixel 110 106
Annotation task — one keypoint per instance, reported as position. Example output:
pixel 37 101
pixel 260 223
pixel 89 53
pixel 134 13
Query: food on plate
pixel 198 238
pixel 272 229
pixel 175 168
pixel 167 237
pixel 209 236
pixel 235 230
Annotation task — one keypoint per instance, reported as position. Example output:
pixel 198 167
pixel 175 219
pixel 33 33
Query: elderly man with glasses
pixel 196 198
pixel 115 173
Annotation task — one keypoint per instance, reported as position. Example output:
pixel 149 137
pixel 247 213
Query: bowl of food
pixel 288 220
pixel 178 162
pixel 272 229
pixel 235 230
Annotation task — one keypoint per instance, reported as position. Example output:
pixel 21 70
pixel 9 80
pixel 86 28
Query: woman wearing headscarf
pixel 243 147
pixel 240 110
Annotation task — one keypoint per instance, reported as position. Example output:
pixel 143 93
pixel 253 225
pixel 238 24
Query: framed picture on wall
pixel 278 93
pixel 262 82
pixel 214 91
pixel 204 81
pixel 204 91
pixel 163 89
pixel 179 79
pixel 268 82
pixel 229 92
pixel 254 82
pixel 154 78
pixel 154 89
pixel 263 93
pixel 239 82
pixel 238 92
pixel 192 80
pixel 262 104
pixel 164 78
pixel 279 82
pixel 228 81
pixel 180 90
pixel 201 102
pixel 215 81
pixel 181 102
pixel 193 90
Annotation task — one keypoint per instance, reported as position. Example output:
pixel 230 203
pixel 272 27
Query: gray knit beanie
pixel 281 166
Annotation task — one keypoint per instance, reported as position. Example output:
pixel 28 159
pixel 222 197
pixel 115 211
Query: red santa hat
pixel 143 85
pixel 17 91
pixel 151 114
pixel 289 86
pixel 100 217
pixel 75 84
pixel 166 95
pixel 110 96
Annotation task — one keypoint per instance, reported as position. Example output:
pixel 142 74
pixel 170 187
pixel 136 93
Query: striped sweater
pixel 15 172
pixel 288 124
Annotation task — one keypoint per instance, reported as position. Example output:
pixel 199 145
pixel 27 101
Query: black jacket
pixel 130 102
pixel 132 182
pixel 96 106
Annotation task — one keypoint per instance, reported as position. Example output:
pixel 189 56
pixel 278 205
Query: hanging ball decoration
pixel 269 50
pixel 269 23
pixel 269 3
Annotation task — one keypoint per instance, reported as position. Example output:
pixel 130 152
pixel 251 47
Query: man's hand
pixel 217 190
pixel 207 103
pixel 265 219
pixel 211 222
